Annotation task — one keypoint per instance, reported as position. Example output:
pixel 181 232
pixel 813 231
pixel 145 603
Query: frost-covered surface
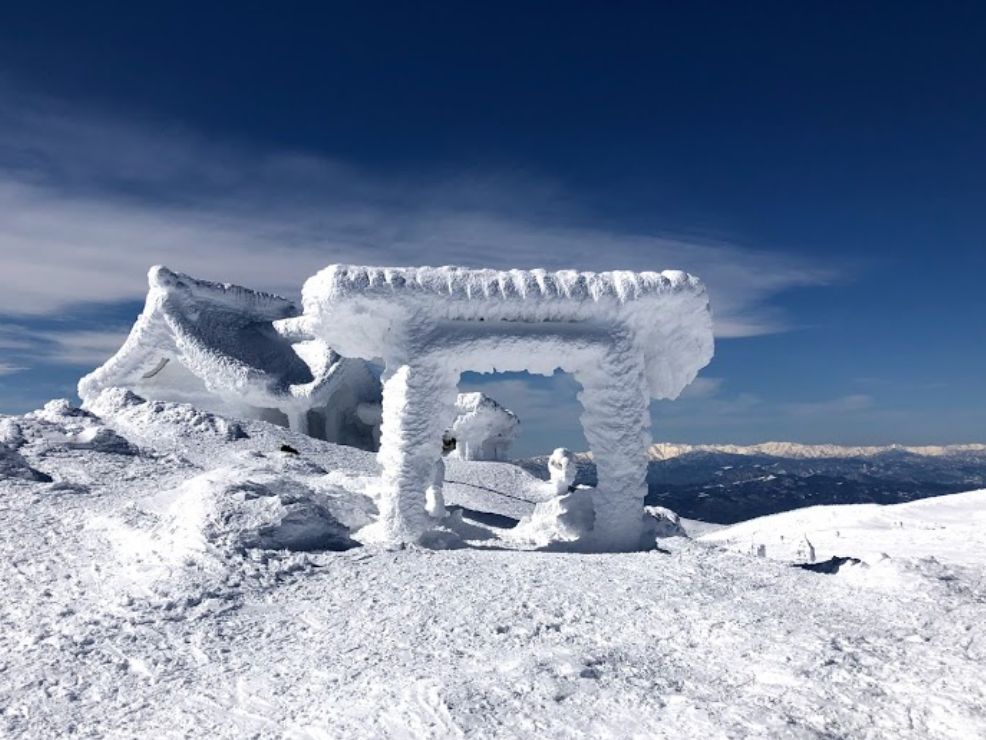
pixel 483 429
pixel 225 634
pixel 215 345
pixel 363 311
pixel 223 348
pixel 626 337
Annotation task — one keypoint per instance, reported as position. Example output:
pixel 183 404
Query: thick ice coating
pixel 626 337
pixel 218 347
pixel 214 345
pixel 360 310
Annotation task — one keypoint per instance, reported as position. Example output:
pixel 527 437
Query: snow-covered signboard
pixel 626 338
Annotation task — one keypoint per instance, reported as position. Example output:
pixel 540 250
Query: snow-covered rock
pixel 168 425
pixel 226 510
pixel 666 522
pixel 60 425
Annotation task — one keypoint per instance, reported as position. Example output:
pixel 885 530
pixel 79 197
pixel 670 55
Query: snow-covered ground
pixel 180 575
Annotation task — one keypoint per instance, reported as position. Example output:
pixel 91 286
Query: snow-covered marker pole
pixel 626 337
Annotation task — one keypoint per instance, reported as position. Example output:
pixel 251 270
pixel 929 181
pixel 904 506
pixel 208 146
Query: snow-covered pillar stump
pixel 616 423
pixel 418 406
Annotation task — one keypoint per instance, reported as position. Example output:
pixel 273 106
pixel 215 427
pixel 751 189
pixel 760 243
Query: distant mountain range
pixel 794 450
pixel 730 483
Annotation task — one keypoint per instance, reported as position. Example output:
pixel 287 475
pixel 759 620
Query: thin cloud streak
pixel 7 368
pixel 89 204
pixel 84 349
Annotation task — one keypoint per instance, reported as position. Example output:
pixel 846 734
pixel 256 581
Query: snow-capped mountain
pixel 797 451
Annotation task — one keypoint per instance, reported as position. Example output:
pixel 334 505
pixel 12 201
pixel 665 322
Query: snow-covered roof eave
pixel 166 331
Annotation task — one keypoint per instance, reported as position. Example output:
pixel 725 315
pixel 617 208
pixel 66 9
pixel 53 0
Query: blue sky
pixel 821 166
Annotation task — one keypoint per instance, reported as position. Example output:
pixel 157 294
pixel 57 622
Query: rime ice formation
pixel 221 348
pixel 626 337
pixel 215 346
pixel 483 429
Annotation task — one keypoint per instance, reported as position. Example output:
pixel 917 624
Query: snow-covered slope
pixel 951 529
pixel 161 586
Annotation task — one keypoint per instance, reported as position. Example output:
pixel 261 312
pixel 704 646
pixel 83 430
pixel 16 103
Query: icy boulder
pixel 483 429
pixel 99 439
pixel 163 424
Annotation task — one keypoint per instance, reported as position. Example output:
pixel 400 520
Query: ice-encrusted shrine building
pixel 223 348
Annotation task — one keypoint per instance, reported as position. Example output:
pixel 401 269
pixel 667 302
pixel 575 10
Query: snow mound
pixel 257 502
pixel 559 522
pixel 163 424
pixel 278 514
pixel 61 426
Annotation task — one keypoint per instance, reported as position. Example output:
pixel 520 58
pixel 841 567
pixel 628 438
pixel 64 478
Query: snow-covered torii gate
pixel 626 337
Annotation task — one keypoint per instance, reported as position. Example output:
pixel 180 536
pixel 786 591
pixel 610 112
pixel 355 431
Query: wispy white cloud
pixel 7 368
pixel 89 204
pixel 83 348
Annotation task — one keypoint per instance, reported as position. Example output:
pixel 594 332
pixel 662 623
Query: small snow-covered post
pixel 616 421
pixel 562 470
pixel 418 406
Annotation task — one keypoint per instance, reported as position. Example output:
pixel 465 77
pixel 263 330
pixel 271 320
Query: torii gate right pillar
pixel 616 423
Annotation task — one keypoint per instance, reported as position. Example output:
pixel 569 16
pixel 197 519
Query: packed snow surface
pixel 186 576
